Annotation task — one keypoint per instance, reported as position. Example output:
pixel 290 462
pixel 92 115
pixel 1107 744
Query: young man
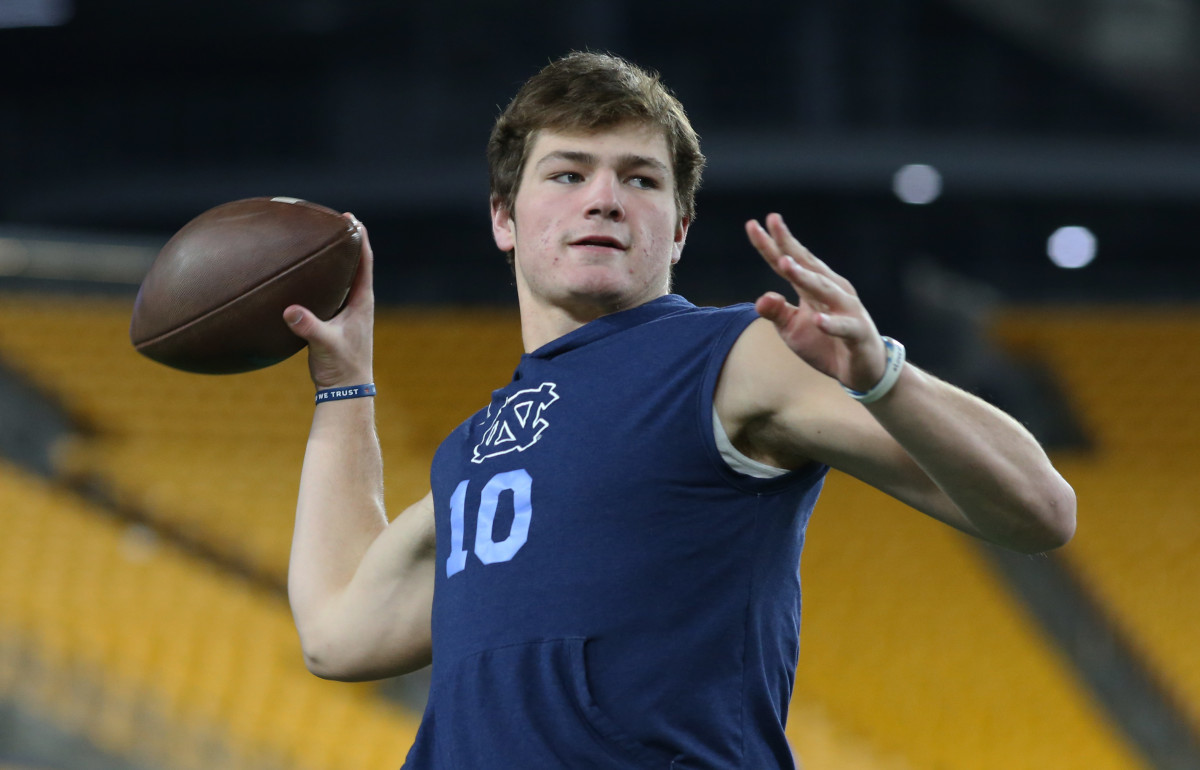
pixel 605 572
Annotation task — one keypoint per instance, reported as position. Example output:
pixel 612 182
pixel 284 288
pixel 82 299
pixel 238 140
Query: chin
pixel 594 290
pixel 603 298
pixel 597 281
pixel 610 298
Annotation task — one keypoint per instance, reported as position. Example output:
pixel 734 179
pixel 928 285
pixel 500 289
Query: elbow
pixel 321 670
pixel 344 659
pixel 323 652
pixel 318 658
pixel 320 645
pixel 1060 515
pixel 1051 522
pixel 319 667
pixel 323 662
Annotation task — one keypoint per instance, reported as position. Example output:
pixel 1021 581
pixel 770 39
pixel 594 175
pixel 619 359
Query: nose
pixel 604 197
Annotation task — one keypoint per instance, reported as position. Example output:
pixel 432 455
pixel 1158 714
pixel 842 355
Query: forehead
pixel 609 144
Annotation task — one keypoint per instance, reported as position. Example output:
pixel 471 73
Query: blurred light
pixel 138 543
pixel 35 13
pixel 917 183
pixel 14 257
pixel 61 255
pixel 1071 247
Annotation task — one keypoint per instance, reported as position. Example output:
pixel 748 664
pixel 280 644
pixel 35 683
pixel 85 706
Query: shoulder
pixel 676 309
pixel 715 328
pixel 676 327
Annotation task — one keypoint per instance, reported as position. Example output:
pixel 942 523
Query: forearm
pixel 340 510
pixel 984 461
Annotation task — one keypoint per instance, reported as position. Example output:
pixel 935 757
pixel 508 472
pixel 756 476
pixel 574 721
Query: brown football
pixel 214 298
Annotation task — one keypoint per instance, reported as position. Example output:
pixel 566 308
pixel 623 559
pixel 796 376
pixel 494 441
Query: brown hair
pixel 588 92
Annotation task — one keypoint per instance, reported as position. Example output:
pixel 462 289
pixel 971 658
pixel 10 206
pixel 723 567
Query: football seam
pixel 260 286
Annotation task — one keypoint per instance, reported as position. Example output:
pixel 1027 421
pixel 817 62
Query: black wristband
pixel 350 391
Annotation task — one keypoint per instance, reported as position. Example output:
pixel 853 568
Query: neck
pixel 542 322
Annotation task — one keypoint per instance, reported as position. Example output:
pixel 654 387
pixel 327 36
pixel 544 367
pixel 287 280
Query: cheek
pixel 545 244
pixel 535 235
pixel 661 246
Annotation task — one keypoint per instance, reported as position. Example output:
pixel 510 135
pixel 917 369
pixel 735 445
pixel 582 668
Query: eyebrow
pixel 626 161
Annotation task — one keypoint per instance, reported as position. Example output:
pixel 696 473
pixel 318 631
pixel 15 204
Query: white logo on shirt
pixel 518 424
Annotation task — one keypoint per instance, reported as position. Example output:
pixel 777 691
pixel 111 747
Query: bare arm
pixel 361 589
pixel 935 447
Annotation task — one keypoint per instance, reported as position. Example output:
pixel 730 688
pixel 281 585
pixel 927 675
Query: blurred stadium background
pixel 1012 184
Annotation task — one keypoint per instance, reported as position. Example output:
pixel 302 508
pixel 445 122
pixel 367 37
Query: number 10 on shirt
pixel 520 483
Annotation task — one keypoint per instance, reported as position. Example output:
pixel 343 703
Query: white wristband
pixel 891 373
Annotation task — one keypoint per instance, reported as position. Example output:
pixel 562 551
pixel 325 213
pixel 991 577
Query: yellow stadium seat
pixel 154 654
pixel 1132 373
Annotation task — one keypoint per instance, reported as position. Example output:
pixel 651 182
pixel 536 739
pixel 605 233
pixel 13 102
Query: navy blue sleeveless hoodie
pixel 609 593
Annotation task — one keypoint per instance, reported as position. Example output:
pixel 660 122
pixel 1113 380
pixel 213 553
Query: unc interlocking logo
pixel 518 424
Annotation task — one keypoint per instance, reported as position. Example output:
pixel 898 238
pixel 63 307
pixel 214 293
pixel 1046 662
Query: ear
pixel 504 227
pixel 680 236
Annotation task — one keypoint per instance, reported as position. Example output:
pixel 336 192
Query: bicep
pixel 780 410
pixel 381 624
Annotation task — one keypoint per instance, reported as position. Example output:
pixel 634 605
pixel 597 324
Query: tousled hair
pixel 589 92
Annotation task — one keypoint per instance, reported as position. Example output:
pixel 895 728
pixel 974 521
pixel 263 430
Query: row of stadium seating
pixel 913 654
pixel 218 458
pixel 154 655
pixel 1130 373
pixel 1133 377
pixel 909 636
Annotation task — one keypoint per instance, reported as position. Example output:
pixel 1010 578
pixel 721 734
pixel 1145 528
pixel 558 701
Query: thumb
pixel 774 308
pixel 301 321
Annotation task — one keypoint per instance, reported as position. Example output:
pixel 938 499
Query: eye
pixel 567 177
pixel 644 182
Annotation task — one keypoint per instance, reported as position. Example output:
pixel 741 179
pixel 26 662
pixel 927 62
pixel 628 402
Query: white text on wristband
pixel 341 394
pixel 891 373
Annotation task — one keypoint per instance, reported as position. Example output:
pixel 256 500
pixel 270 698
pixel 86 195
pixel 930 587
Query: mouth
pixel 599 242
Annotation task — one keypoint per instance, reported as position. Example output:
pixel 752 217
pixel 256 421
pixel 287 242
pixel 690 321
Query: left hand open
pixel 828 326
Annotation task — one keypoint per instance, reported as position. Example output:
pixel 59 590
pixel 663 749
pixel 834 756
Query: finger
pixel 771 306
pixel 846 327
pixel 776 309
pixel 777 228
pixel 302 322
pixel 822 292
pixel 769 246
pixel 820 289
pixel 769 249
pixel 765 244
pixel 790 244
pixel 362 290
